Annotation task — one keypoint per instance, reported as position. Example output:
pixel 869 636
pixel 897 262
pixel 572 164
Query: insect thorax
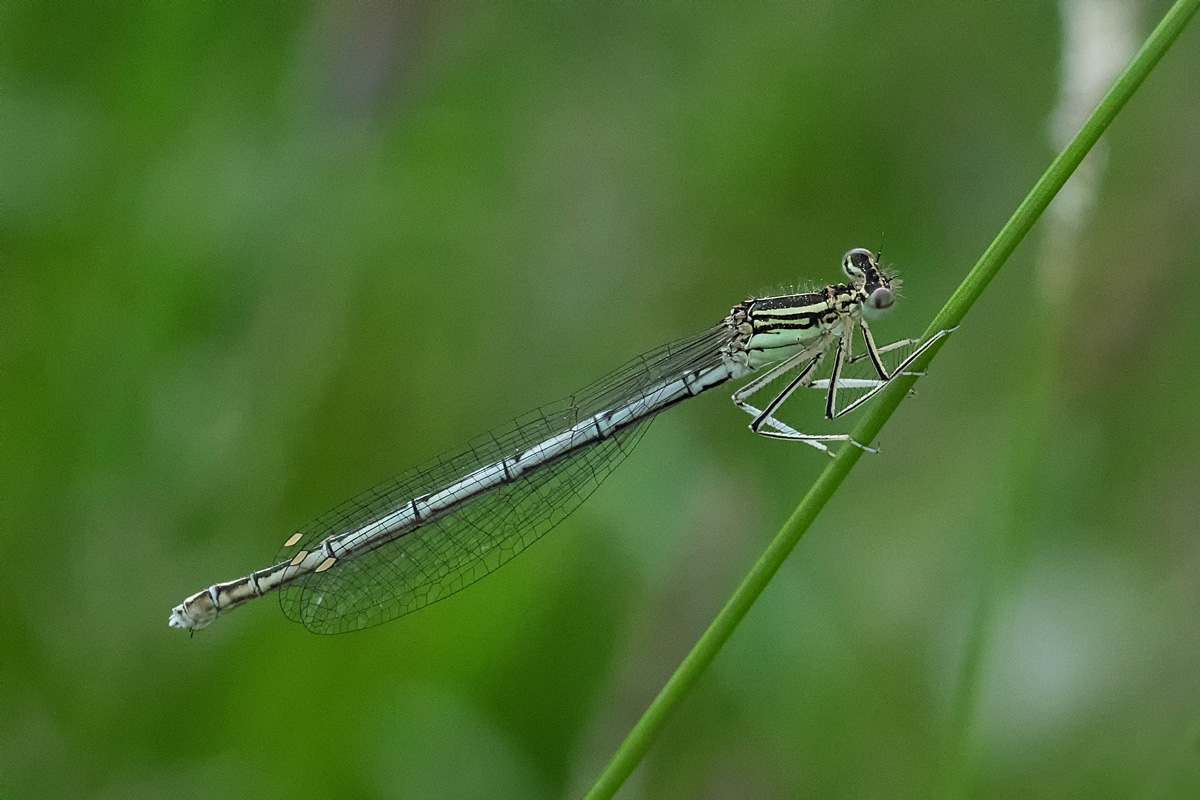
pixel 771 328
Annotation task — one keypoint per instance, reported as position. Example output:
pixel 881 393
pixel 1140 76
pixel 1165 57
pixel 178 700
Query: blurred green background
pixel 255 258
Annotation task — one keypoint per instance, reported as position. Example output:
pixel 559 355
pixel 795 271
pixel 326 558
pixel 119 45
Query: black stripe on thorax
pixel 800 322
pixel 803 311
pixel 787 301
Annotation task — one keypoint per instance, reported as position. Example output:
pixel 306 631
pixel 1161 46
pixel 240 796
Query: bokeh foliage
pixel 255 258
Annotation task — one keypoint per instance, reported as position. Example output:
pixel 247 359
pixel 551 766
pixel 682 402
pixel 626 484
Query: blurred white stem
pixel 1099 37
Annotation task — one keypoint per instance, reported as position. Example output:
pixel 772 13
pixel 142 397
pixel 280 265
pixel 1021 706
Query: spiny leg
pixel 787 433
pixel 868 383
pixel 777 371
pixel 743 394
pixel 803 378
pixel 839 360
pixel 887 348
pixel 900 370
pixel 762 418
pixel 815 440
pixel 832 384
pixel 873 352
pixel 835 381
pixel 766 417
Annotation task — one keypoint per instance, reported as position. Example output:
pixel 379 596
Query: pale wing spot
pixel 299 557
pixel 326 564
pixel 295 538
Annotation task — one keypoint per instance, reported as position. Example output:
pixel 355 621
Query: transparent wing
pixel 436 560
pixel 439 559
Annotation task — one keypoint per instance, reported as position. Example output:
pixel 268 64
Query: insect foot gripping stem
pixel 197 612
pixel 862 446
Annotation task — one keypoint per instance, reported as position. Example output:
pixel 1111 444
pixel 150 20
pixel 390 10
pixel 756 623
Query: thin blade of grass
pixel 634 748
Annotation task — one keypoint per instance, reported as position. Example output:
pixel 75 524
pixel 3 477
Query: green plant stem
pixel 632 750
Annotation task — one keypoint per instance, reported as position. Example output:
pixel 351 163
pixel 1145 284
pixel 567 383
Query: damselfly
pixel 439 528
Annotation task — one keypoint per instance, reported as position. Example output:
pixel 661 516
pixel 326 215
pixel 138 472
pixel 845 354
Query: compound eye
pixel 878 302
pixel 856 263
